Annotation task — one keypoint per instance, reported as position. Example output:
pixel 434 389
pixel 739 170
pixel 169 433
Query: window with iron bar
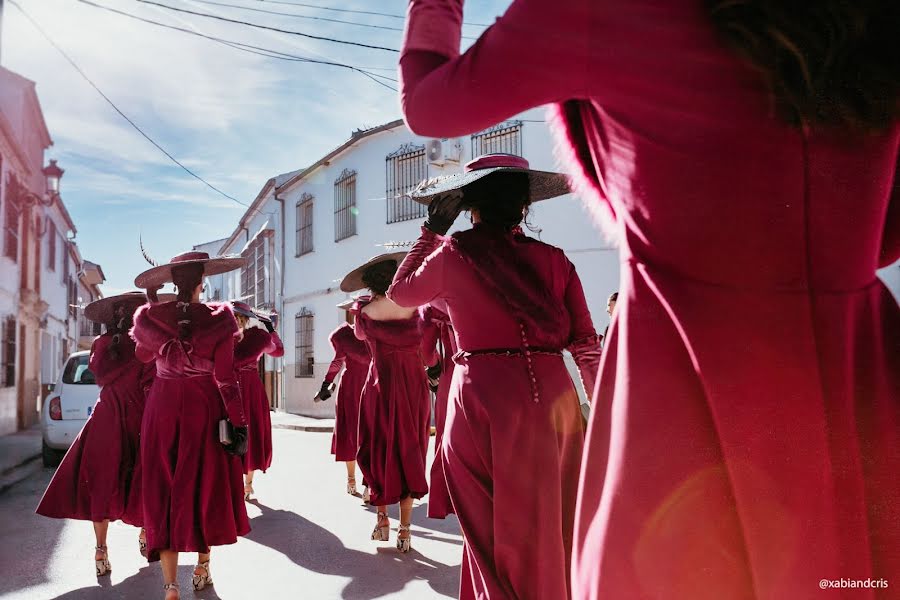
pixel 253 273
pixel 51 245
pixel 11 212
pixel 345 205
pixel 304 225
pixel 404 170
pixel 303 344
pixel 8 354
pixel 505 137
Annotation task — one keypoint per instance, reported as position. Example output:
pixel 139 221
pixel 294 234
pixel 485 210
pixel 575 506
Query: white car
pixel 67 408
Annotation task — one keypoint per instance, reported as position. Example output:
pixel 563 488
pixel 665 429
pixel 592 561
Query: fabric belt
pixel 524 353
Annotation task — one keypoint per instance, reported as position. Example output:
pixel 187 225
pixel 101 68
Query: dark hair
pixel 501 199
pixel 186 278
pixel 119 327
pixel 614 297
pixel 378 277
pixel 827 62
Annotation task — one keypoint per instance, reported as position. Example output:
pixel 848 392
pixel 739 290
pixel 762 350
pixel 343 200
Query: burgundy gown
pixel 394 410
pixel 96 479
pixel 745 435
pixel 438 334
pixel 247 352
pixel 193 490
pixel 513 438
pixel 351 355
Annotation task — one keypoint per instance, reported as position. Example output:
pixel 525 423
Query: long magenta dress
pixel 192 488
pixel 745 435
pixel 96 479
pixel 438 334
pixel 513 438
pixel 247 352
pixel 394 410
pixel 351 355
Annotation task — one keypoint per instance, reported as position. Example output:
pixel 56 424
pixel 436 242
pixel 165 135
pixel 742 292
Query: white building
pixel 306 229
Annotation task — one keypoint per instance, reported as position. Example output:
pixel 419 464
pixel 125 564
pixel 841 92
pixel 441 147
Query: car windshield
pixel 77 372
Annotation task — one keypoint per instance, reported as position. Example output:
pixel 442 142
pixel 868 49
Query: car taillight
pixel 55 409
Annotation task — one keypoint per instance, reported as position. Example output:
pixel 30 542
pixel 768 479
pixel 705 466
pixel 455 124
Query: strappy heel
pixel 367 496
pixel 404 545
pixel 103 567
pixel 382 533
pixel 172 586
pixel 351 486
pixel 142 542
pixel 248 491
pixel 201 581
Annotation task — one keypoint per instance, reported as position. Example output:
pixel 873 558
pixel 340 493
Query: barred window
pixel 72 290
pixel 345 205
pixel 11 212
pixel 253 273
pixel 303 344
pixel 65 258
pixel 304 224
pixel 8 353
pixel 404 169
pixel 51 245
pixel 505 137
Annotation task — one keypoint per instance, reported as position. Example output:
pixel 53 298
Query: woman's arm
pixel 339 357
pixel 227 381
pixel 420 277
pixel 584 343
pixel 534 54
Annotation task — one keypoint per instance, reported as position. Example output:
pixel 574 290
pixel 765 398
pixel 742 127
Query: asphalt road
pixel 309 540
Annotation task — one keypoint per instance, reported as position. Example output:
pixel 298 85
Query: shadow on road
pixel 315 548
pixel 146 583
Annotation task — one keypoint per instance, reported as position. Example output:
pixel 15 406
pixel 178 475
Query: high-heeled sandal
pixel 103 567
pixel 142 542
pixel 201 581
pixel 248 491
pixel 404 545
pixel 172 586
pixel 382 533
pixel 351 486
pixel 367 496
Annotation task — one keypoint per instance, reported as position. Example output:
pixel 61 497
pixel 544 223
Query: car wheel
pixel 49 456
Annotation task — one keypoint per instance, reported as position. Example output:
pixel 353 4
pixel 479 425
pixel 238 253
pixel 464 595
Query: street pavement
pixel 310 540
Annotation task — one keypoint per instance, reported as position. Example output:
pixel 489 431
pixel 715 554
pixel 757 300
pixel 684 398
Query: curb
pixel 25 469
pixel 312 428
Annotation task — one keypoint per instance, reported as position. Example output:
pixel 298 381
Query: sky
pixel 234 118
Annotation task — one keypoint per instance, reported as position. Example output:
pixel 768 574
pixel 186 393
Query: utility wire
pixel 117 109
pixel 258 26
pixel 359 12
pixel 250 48
pixel 308 17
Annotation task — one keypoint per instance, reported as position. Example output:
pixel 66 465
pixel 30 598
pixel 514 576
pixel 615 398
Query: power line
pixel 308 17
pixel 117 109
pixel 250 48
pixel 358 12
pixel 258 26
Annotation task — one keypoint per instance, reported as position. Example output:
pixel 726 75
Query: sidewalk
pixel 284 420
pixel 20 456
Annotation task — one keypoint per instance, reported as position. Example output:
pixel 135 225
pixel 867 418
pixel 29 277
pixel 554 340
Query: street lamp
pixel 53 174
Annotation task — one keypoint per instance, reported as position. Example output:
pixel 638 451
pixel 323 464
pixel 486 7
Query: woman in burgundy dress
pixel 252 343
pixel 192 488
pixel 352 355
pixel 96 479
pixel 438 335
pixel 395 407
pixel 515 304
pixel 745 434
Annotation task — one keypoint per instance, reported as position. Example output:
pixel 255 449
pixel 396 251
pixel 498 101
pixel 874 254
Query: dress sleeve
pixel 535 54
pixel 890 242
pixel 226 379
pixel 420 277
pixel 339 357
pixel 276 347
pixel 431 333
pixel 584 343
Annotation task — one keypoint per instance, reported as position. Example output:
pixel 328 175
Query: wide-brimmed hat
pixel 211 266
pixel 353 280
pixel 349 302
pixel 104 309
pixel 242 308
pixel 541 184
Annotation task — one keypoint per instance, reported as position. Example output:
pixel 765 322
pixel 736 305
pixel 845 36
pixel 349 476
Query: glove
pixel 443 210
pixel 434 376
pixel 238 445
pixel 270 327
pixel 324 392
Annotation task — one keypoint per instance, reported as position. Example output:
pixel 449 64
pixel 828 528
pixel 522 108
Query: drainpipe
pixel 281 320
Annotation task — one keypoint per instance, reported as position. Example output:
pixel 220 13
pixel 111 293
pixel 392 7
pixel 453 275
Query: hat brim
pixel 353 282
pixel 103 310
pixel 211 266
pixel 542 185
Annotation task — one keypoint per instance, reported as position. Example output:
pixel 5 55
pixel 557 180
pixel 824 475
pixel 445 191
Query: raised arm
pixel 584 343
pixel 276 347
pixel 534 54
pixel 420 277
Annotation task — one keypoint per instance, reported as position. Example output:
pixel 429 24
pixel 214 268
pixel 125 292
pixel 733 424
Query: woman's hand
pixel 443 210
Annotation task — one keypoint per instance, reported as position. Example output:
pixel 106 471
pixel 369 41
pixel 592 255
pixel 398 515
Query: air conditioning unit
pixel 440 152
